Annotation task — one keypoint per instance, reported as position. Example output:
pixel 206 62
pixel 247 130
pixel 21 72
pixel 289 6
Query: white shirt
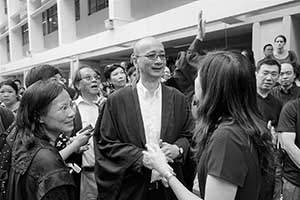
pixel 150 105
pixel 89 114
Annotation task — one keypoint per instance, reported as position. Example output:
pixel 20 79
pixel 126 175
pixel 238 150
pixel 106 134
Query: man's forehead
pixel 86 71
pixel 148 45
pixel 266 67
pixel 286 66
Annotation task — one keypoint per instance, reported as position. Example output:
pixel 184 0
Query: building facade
pixel 69 33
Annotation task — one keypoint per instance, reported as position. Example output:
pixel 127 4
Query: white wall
pixel 145 8
pixel 51 40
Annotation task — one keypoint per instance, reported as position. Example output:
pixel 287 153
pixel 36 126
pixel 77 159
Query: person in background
pixel 38 170
pixel 283 55
pixel 287 89
pixel 18 83
pixel 166 75
pixel 133 75
pixel 268 50
pixel 289 137
pixel 187 63
pixel 9 95
pixel 234 150
pixel 86 82
pixel 115 75
pixel 21 91
pixel 267 74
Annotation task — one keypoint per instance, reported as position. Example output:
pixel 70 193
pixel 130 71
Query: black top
pixel 231 156
pixel 39 173
pixel 289 121
pixel 269 108
pixel 285 96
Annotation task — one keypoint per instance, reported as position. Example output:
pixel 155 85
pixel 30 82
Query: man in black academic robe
pixel 120 169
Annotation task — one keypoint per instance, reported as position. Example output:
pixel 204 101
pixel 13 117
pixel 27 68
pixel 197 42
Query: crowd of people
pixel 150 131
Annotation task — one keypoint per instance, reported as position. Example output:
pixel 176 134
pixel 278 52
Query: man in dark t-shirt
pixel 289 128
pixel 287 90
pixel 267 73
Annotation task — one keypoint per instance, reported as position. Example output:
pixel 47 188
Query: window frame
pixel 96 5
pixel 25 34
pixel 77 10
pixel 49 20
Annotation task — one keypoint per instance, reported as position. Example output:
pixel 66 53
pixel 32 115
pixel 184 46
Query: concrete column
pixel 35 28
pixel 256 41
pixel 15 43
pixel 119 13
pixel 287 30
pixel 3 51
pixel 66 21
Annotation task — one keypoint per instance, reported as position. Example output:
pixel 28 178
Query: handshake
pixel 157 158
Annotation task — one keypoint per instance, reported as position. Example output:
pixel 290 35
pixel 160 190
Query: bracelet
pixel 168 175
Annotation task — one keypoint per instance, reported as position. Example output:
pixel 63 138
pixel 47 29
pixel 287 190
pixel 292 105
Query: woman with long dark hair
pixel 38 170
pixel 234 150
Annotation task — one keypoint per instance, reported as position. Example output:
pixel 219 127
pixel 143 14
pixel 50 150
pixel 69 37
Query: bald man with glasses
pixel 142 113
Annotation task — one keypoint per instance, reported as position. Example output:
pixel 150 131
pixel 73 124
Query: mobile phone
pixel 88 127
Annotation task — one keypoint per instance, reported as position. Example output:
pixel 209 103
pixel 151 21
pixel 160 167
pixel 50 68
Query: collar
pixel 289 90
pixel 145 92
pixel 80 100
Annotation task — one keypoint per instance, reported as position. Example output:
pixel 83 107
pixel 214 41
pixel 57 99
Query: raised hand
pixel 200 27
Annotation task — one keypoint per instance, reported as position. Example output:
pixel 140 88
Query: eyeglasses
pixel 154 56
pixel 65 107
pixel 89 77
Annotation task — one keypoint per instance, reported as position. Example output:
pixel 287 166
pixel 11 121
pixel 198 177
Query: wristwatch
pixel 180 151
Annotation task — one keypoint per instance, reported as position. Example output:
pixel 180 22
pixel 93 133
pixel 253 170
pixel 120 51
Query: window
pixel 96 5
pixel 49 20
pixel 25 37
pixel 5 6
pixel 77 10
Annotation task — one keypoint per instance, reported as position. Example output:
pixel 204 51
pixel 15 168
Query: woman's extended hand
pixel 156 159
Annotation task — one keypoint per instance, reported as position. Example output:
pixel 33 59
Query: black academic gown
pixel 120 140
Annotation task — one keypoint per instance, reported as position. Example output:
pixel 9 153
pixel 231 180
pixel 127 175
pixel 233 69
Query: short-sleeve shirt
pixel 231 156
pixel 269 108
pixel 289 121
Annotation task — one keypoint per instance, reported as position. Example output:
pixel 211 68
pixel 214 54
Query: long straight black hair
pixel 228 90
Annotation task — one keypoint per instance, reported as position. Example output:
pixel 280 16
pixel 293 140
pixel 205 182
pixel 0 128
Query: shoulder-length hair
pixel 35 103
pixel 228 87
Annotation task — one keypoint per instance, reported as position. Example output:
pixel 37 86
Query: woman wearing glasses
pixel 234 150
pixel 38 170
pixel 116 77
